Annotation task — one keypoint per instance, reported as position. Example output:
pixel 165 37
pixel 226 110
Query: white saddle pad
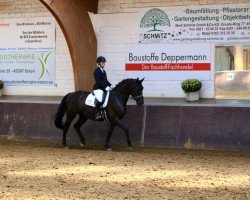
pixel 90 100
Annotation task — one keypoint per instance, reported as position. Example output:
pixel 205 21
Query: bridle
pixel 136 97
pixel 130 97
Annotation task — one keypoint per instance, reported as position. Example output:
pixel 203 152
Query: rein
pixel 130 97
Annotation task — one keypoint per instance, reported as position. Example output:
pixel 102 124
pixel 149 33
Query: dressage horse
pixel 74 103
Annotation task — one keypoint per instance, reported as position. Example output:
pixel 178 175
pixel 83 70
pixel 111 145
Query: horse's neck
pixel 122 92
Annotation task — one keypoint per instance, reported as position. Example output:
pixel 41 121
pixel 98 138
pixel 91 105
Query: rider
pixel 101 83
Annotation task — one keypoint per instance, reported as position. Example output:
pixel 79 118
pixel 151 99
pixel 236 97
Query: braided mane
pixel 124 82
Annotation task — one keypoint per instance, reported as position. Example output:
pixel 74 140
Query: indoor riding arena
pixel 33 170
pixel 176 118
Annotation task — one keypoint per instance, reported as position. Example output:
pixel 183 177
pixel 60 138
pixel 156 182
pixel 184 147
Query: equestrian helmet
pixel 100 59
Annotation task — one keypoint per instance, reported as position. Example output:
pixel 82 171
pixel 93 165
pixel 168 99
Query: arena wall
pixel 115 26
pixel 186 125
pixel 123 6
pixel 172 126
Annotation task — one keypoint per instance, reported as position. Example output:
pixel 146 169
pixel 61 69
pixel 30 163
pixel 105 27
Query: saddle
pixel 91 99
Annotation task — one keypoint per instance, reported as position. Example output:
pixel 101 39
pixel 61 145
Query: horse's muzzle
pixel 140 101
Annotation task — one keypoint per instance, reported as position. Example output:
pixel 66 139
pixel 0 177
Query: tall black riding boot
pixel 98 114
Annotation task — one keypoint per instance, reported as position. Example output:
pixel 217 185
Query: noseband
pixel 136 97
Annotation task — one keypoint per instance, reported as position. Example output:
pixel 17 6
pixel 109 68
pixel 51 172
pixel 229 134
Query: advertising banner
pixel 27 67
pixel 168 61
pixel 207 23
pixel 27 51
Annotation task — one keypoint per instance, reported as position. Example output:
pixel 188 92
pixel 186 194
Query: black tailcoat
pixel 101 81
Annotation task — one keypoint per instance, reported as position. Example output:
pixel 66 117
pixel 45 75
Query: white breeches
pixel 98 94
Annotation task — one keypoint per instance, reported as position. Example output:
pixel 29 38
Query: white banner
pixel 27 68
pixel 168 61
pixel 36 34
pixel 214 24
pixel 27 52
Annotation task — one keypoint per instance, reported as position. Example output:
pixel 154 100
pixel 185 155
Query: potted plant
pixel 191 87
pixel 1 87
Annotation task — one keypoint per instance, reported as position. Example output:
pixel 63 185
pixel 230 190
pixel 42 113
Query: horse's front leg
pixel 111 129
pixel 118 123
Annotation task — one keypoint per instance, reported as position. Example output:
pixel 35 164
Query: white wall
pixel 125 6
pixel 115 26
pixel 64 72
pixel 114 32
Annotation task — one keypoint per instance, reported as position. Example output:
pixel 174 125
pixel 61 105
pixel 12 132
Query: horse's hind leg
pixel 82 119
pixel 69 119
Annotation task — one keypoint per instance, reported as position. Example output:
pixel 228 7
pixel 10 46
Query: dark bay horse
pixel 74 103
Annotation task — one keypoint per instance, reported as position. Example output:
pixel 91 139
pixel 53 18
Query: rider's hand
pixel 108 88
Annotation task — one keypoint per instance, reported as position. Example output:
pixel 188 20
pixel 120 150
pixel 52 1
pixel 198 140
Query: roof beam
pixel 74 20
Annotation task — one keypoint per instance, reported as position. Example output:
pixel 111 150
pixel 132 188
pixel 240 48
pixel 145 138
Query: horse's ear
pixel 142 80
pixel 139 81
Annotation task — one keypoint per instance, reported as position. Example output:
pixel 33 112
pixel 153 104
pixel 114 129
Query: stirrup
pixel 98 116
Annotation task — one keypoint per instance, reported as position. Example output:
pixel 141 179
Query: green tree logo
pixel 43 60
pixel 154 17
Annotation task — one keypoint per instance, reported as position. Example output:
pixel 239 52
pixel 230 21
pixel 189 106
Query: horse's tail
pixel 60 113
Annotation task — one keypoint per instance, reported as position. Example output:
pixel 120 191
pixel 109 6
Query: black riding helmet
pixel 100 59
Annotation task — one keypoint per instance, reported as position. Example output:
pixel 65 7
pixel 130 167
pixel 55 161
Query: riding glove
pixel 108 88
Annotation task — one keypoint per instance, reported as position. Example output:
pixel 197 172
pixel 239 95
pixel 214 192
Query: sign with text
pixel 27 51
pixel 27 67
pixel 208 23
pixel 168 61
pixel 27 34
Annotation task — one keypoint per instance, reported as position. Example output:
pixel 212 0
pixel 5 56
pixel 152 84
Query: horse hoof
pixel 129 148
pixel 66 147
pixel 82 145
pixel 108 149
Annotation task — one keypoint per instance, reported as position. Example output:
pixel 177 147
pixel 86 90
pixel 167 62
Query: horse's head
pixel 136 92
pixel 1 84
